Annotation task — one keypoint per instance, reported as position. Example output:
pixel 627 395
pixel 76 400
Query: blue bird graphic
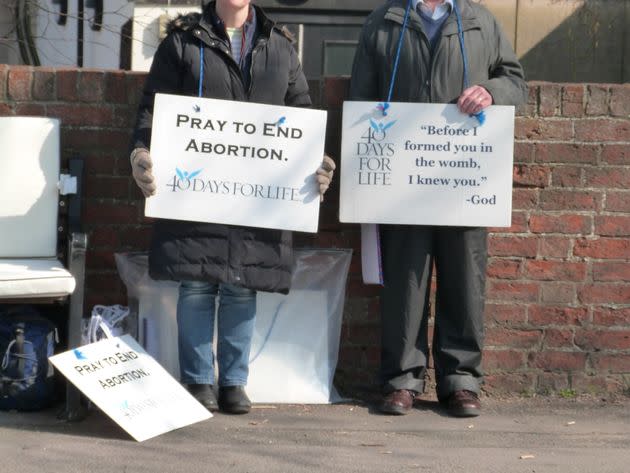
pixel 79 354
pixel 281 121
pixel 185 175
pixel 197 108
pixel 389 125
pixel 379 127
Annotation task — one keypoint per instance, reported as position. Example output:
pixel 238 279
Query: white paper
pixel 371 262
pixel 288 336
pixel 129 386
pixel 236 163
pixel 426 164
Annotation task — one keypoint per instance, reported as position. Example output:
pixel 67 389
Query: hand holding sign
pixel 141 165
pixel 474 99
pixel 324 175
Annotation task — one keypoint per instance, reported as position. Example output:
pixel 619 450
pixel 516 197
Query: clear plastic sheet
pixel 154 304
pixel 296 338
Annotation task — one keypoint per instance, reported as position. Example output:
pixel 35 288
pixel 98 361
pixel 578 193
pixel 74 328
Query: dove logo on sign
pixel 184 180
pixel 79 354
pixel 374 154
pixel 373 140
pixel 378 130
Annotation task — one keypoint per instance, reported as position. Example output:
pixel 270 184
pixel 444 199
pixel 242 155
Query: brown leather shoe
pixel 464 404
pixel 397 402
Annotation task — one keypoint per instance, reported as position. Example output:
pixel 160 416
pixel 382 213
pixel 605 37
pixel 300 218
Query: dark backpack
pixel 26 376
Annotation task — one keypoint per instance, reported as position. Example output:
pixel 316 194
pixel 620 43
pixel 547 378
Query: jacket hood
pixel 183 22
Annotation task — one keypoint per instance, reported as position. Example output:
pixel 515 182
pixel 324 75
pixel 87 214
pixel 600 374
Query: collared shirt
pixel 441 10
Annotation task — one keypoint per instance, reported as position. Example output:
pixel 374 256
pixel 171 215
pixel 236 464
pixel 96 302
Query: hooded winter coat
pixel 435 76
pixel 255 258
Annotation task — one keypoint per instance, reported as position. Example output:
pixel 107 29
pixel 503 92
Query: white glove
pixel 324 175
pixel 141 165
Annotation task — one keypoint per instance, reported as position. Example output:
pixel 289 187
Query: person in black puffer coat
pixel 246 58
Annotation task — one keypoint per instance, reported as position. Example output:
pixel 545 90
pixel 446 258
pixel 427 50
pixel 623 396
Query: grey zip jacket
pixel 438 77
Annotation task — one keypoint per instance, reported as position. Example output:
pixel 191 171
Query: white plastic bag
pixel 296 337
pixel 104 322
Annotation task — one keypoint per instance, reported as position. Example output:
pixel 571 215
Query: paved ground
pixel 513 436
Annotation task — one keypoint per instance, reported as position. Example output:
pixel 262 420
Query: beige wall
pixel 568 40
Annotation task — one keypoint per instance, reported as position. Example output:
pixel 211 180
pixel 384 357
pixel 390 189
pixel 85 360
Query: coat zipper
pixel 255 49
pixel 427 44
pixel 259 45
pixel 434 54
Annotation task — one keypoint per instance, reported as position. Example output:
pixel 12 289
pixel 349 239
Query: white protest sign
pixel 426 164
pixel 130 387
pixel 236 163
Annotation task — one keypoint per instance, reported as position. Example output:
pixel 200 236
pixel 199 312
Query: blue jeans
pixel 235 326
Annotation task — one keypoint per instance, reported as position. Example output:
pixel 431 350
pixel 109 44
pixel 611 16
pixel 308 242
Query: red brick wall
pixel 558 298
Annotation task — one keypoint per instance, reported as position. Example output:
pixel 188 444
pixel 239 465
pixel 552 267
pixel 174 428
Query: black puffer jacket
pixel 256 258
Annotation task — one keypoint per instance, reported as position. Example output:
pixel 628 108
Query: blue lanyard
pixel 400 42
pixel 201 70
pixel 462 45
pixel 481 117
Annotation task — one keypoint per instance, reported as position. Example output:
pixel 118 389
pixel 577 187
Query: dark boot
pixel 234 400
pixel 204 393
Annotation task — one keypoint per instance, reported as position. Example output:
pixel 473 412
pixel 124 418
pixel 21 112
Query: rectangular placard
pixel 236 163
pixel 130 387
pixel 426 164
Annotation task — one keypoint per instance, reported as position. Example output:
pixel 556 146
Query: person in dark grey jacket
pixel 431 70
pixel 246 57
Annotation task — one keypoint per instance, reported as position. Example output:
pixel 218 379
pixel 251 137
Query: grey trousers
pixel 460 255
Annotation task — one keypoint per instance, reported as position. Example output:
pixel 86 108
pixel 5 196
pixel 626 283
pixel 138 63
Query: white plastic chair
pixel 32 216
